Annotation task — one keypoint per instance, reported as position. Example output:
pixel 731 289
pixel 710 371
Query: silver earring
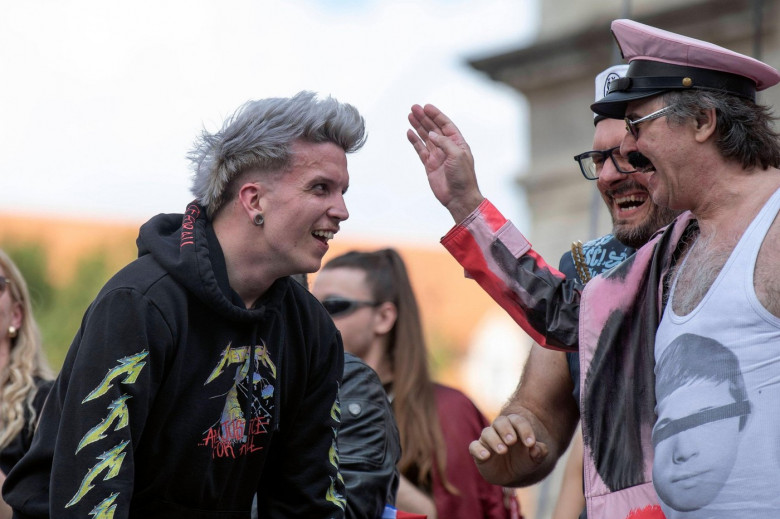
pixel 12 331
pixel 259 219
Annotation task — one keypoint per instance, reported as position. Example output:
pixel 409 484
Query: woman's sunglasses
pixel 4 282
pixel 341 306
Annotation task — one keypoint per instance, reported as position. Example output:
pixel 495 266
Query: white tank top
pixel 717 372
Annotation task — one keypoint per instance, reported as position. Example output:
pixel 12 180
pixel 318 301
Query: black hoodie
pixel 147 417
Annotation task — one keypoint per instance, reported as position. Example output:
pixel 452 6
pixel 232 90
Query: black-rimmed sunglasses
pixel 591 162
pixel 4 282
pixel 341 306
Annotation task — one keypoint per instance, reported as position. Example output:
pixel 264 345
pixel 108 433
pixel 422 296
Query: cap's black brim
pixel 613 105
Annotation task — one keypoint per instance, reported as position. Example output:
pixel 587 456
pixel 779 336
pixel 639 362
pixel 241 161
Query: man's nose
pixel 609 173
pixel 628 144
pixel 339 209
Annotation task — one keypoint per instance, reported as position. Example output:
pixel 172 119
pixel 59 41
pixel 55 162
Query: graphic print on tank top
pixel 717 435
pixel 703 408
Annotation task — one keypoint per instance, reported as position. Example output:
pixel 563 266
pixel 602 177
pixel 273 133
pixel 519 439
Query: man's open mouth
pixel 323 236
pixel 628 202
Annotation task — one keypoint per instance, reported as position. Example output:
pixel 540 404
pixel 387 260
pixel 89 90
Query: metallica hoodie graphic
pixel 177 401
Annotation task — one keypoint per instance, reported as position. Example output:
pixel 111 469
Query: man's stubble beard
pixel 638 235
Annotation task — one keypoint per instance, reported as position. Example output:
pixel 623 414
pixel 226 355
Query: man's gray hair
pixel 745 130
pixel 259 135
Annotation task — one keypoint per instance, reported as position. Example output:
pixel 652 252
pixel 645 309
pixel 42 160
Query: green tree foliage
pixel 31 258
pixel 59 311
pixel 60 324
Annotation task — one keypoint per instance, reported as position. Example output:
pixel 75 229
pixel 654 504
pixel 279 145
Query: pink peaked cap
pixel 661 60
pixel 639 41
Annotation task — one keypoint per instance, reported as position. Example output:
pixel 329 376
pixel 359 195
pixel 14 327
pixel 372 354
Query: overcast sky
pixel 100 101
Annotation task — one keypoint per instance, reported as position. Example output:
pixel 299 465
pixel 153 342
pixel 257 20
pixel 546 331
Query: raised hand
pixel 447 159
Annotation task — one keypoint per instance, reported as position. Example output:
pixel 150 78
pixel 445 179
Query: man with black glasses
pixel 716 155
pixel 547 397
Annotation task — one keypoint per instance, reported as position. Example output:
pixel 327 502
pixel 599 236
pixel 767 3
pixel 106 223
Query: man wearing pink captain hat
pixel 716 157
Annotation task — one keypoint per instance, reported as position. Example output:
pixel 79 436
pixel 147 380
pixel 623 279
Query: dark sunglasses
pixel 340 306
pixel 4 282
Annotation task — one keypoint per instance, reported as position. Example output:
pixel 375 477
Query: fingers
pixel 431 119
pixel 523 431
pixel 418 144
pixel 423 120
pixel 427 142
pixel 494 439
pixel 514 428
pixel 439 120
pixel 419 136
pixel 450 148
pixel 478 451
pixel 505 432
pixel 421 123
pixel 538 452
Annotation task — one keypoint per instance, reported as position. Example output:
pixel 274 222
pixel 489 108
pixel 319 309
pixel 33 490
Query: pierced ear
pixel 706 124
pixel 385 317
pixel 17 315
pixel 250 197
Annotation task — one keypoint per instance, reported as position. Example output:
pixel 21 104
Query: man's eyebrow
pixel 325 179
pixel 321 179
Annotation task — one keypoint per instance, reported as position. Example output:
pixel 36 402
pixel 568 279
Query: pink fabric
pixel 639 41
pixel 603 297
pixel 637 502
pixel 469 241
pixel 628 299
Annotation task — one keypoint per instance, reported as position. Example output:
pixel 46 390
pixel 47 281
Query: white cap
pixel 602 83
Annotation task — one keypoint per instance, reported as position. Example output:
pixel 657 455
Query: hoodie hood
pixel 186 246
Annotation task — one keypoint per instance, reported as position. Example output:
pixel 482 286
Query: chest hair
pixel 706 258
pixel 767 275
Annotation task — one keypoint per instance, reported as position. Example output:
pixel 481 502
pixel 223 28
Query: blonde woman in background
pixel 25 377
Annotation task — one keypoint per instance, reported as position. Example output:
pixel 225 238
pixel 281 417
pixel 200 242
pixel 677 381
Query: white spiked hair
pixel 259 136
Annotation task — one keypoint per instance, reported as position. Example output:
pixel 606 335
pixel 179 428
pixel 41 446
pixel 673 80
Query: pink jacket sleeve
pixel 537 296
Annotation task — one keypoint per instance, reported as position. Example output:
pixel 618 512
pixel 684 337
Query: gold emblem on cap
pixel 687 82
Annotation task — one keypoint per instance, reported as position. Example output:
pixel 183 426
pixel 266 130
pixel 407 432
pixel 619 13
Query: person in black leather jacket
pixel 369 445
pixel 368 440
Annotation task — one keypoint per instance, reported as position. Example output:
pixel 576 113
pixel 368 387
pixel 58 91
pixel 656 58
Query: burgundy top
pixel 461 423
